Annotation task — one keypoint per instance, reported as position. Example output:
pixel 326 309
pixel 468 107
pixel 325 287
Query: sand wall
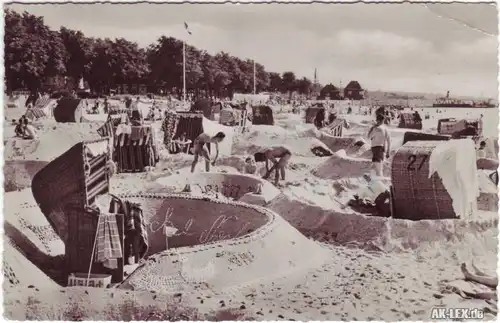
pixel 274 249
pixel 53 140
pixel 233 186
pixel 27 228
pixel 199 220
pixel 20 272
pixel 385 233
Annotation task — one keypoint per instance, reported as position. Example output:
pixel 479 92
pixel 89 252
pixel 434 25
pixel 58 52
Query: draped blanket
pixel 136 234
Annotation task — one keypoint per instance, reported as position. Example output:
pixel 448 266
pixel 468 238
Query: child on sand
pixel 380 143
pixel 29 130
pixel 199 148
pixel 279 156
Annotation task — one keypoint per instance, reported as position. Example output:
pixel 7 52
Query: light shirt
pixel 123 128
pixel 226 115
pixel 379 136
pixel 480 153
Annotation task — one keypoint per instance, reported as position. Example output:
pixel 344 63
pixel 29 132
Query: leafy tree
pixel 304 86
pixel 28 48
pixel 289 83
pixel 163 58
pixel 263 80
pixel 275 82
pixel 34 54
pixel 101 74
pixel 79 49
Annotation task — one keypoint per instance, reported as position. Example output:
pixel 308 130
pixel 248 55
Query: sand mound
pixel 19 174
pixel 233 186
pixel 298 146
pixel 29 243
pixel 20 272
pixel 53 140
pixel 272 249
pixel 350 144
pixel 340 166
pixel 28 229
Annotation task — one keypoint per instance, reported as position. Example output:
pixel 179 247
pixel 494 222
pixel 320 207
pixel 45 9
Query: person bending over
pixel 279 157
pixel 199 148
pixel 380 143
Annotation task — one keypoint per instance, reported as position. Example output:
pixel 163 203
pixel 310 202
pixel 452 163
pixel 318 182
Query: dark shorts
pixel 378 154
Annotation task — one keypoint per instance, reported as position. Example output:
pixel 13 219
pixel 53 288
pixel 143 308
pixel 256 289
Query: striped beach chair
pixel 135 151
pixel 42 102
pixel 35 113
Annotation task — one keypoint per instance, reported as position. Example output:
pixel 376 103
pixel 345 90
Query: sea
pixel 490 117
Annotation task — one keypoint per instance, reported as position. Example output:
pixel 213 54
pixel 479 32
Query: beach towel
pixel 108 247
pixel 458 171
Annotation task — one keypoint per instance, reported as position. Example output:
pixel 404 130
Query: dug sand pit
pixel 347 228
pixel 218 257
pixel 233 186
pixel 196 220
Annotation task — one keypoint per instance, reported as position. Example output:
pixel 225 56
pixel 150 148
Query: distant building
pixel 329 92
pixel 133 88
pixel 354 91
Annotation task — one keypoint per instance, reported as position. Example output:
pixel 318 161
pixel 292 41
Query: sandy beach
pixel 348 265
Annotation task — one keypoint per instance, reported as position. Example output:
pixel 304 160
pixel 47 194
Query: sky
pixel 399 47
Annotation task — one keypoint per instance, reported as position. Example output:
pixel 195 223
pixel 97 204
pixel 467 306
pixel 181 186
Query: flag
pixel 187 28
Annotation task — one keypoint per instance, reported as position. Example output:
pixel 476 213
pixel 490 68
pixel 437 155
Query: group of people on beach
pixel 277 158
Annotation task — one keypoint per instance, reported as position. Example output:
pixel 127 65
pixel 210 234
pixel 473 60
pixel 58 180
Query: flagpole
pixel 184 71
pixel 254 77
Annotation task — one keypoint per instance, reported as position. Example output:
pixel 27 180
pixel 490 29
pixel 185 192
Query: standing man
pixel 200 149
pixel 380 143
pixel 279 157
pixel 481 153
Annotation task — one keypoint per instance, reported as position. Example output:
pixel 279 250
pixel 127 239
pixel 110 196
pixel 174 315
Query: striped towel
pixel 35 113
pixel 108 247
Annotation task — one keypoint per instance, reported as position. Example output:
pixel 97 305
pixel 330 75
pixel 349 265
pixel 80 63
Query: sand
pixel 343 265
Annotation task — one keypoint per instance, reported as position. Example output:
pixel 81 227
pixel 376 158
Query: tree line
pixel 35 54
